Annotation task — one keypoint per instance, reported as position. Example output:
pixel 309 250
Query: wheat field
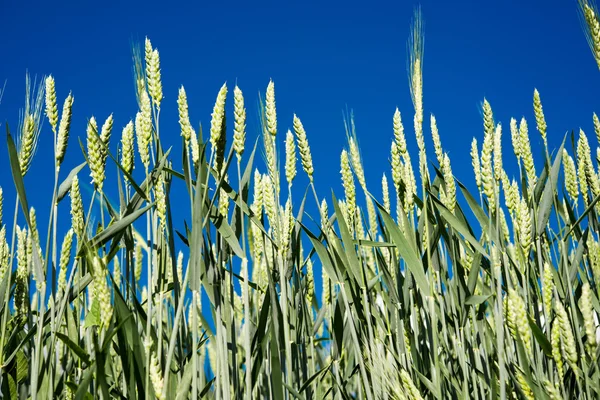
pixel 428 292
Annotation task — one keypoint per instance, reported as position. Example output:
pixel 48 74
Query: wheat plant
pixel 430 291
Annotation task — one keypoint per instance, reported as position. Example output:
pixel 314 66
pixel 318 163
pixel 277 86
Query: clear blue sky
pixel 323 59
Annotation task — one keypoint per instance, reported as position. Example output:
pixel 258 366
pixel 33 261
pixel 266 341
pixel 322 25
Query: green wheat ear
pixel 304 148
pixel 64 128
pixel 51 107
pixel 290 158
pixel 184 117
pixel 239 132
pixel 30 124
pixel 592 27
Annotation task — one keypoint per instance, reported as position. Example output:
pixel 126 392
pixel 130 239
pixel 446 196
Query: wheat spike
pixel 270 112
pixel 239 129
pixel 51 107
pixel 304 148
pixel 184 117
pixel 591 27
pixel 539 116
pixel 63 129
pixel 290 158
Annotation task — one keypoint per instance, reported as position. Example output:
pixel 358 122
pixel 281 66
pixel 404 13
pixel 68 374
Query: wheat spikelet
pixel 102 292
pixel 239 129
pixel 179 268
pixel 30 124
pixel 271 158
pixel 504 225
pixel 488 118
pixel 95 155
pixel 270 111
pixel 592 27
pixel 349 189
pixel 525 388
pixel 449 184
pixel 326 289
pixel 570 176
pixel 568 345
pixel 217 125
pixel 594 256
pixel 397 167
pixel 555 341
pixel 117 273
pixel 437 143
pixel 156 377
pixel 524 227
pixel 258 193
pixel 27 144
pixel 153 73
pixel 324 211
pixel 4 252
pixel 65 258
pixel 399 132
pixel 583 148
pixel 596 127
pixel 512 197
pixel 409 386
pixel 184 116
pixel 548 288
pixel 310 283
pixel 356 162
pixel 22 275
pixel 303 148
pixel 498 170
pixel 77 218
pixel 587 311
pixel 33 244
pixel 106 131
pixel 411 187
pixel 63 129
pixel 475 162
pixel 147 53
pixel 581 171
pixel 385 189
pixel 290 158
pixel 223 206
pixel 269 203
pixel 515 136
pixel 552 390
pixel 487 177
pixel 143 129
pixel 525 151
pixel 127 150
pixel 160 198
pixel 138 262
pixel 195 147
pixel 522 322
pixel 539 116
pixel 51 107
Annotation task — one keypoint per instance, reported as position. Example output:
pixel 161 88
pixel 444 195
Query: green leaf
pixel 227 233
pixel 65 185
pixel 78 351
pixel 183 387
pixel 92 317
pixel 458 226
pixel 413 262
pixel 117 227
pixel 549 193
pixel 476 300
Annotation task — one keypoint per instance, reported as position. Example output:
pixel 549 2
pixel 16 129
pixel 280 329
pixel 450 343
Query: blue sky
pixel 324 57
